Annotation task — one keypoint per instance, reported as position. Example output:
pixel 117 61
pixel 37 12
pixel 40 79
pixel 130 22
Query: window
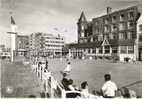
pixel 121 26
pixel 114 27
pixel 113 18
pixel 91 39
pixel 111 36
pixel 96 23
pixel 122 17
pixel 82 27
pixel 131 15
pixel 80 41
pixel 140 27
pixel 106 21
pixel 130 25
pixel 130 49
pixel 94 50
pixel 85 40
pixel 100 50
pixel 140 38
pixel 88 40
pixel 129 35
pixel 82 34
pixel 100 37
pixel 123 49
pixel 106 29
pixel 107 49
pixel 89 51
pixel 121 36
pixel 114 49
pixel 97 30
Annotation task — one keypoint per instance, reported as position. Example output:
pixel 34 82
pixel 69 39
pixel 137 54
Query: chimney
pixel 109 10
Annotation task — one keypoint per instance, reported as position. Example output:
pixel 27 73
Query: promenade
pixel 93 72
pixel 18 81
pixel 23 82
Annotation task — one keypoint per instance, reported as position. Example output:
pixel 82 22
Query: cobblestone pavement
pixel 17 80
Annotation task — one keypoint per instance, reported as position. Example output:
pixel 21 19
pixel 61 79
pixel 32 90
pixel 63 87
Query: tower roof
pixel 12 21
pixel 82 17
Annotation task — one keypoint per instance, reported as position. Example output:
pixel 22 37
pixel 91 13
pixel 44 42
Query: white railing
pixel 51 86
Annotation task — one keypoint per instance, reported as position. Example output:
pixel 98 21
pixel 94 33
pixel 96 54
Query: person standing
pixel 109 88
pixel 68 68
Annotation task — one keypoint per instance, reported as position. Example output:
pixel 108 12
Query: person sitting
pixel 109 88
pixel 84 87
pixel 71 86
pixel 85 91
pixel 127 93
pixel 65 81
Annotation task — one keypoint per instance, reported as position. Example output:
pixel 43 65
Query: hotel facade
pixel 22 44
pixel 46 44
pixel 117 33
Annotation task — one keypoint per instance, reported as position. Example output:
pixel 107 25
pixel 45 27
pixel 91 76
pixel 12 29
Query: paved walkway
pixel 17 80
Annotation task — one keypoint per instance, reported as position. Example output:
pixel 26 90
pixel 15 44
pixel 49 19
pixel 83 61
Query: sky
pixel 52 16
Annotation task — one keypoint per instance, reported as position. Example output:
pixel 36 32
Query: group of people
pixel 108 90
pixel 39 65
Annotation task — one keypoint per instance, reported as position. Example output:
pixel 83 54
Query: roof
pixel 82 17
pixel 86 45
pixel 12 21
pixel 99 43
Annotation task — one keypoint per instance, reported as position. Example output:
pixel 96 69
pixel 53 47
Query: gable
pixel 105 42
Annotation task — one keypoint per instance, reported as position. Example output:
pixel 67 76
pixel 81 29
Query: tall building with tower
pixel 13 34
pixel 118 33
pixel 19 43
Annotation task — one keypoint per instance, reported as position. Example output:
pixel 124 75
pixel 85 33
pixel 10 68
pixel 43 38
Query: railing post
pixel 52 92
pixel 63 94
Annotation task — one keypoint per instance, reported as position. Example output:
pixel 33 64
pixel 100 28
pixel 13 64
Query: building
pixel 4 52
pixel 117 33
pixel 46 44
pixel 22 44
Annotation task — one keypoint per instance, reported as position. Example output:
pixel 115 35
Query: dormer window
pixel 122 17
pixel 113 18
pixel 131 15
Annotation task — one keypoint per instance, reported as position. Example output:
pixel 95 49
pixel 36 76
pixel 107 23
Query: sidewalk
pixel 18 81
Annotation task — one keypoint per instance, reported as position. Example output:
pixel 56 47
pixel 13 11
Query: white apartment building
pixel 46 44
